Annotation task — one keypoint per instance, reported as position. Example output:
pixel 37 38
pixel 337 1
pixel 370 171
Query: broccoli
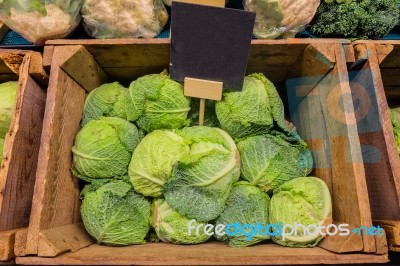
pixel 360 19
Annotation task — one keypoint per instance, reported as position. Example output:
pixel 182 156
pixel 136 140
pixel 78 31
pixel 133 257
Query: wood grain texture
pixel 56 199
pixel 332 134
pixel 47 57
pixel 20 242
pixel 7 240
pixel 392 229
pixel 381 244
pixel 381 71
pixel 204 254
pixel 82 68
pixel 59 240
pixel 343 244
pixel 21 148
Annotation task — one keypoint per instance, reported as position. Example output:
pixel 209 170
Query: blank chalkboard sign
pixel 210 43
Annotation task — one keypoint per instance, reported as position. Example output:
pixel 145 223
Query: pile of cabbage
pixel 8 93
pixel 151 171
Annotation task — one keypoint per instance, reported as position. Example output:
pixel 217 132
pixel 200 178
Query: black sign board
pixel 210 43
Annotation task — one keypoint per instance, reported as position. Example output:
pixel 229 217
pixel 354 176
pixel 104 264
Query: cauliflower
pixel 281 18
pixel 41 21
pixel 124 18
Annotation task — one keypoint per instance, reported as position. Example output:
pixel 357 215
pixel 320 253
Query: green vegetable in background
pixel 246 205
pixel 157 102
pixel 107 100
pixel 253 111
pixel 8 93
pixel 153 160
pixel 305 201
pixel 103 148
pixel 172 227
pixel 1 150
pixel 280 19
pixel 115 215
pixel 24 5
pixel 361 19
pixel 395 119
pixel 268 161
pixel 201 182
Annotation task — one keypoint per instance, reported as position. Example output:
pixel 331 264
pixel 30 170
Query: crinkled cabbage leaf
pixel 115 215
pixel 172 227
pixel 268 161
pixel 305 201
pixel 247 204
pixel 103 148
pixel 153 160
pixel 108 100
pixel 253 111
pixel 201 182
pixel 8 92
pixel 157 102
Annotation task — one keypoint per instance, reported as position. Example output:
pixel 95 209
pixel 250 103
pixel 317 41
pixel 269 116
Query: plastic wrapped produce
pixel 281 18
pixel 169 2
pixel 110 19
pixel 41 20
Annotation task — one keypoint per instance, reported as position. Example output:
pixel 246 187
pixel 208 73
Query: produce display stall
pixel 318 111
pixel 54 227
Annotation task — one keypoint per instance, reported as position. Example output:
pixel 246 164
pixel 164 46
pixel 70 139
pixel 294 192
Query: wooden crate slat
pixel 22 142
pixel 203 254
pixel 55 185
pixel 59 240
pixel 380 74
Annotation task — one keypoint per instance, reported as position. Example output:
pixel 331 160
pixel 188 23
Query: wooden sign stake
pixel 203 89
pixel 199 88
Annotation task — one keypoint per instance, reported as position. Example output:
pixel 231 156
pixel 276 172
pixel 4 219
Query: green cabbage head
pixel 253 111
pixel 115 215
pixel 157 102
pixel 306 201
pixel 247 204
pixel 103 148
pixel 172 227
pixel 8 92
pixel 1 150
pixel 153 160
pixel 201 181
pixel 395 119
pixel 107 100
pixel 268 161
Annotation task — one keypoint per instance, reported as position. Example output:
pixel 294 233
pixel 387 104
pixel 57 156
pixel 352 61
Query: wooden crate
pixel 375 81
pixel 21 146
pixel 318 71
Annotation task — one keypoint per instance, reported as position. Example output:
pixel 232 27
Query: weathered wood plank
pixel 332 135
pixel 59 240
pixel 20 242
pixel 203 254
pixel 20 151
pixel 7 240
pixel 56 199
pixel 392 229
pixel 343 244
